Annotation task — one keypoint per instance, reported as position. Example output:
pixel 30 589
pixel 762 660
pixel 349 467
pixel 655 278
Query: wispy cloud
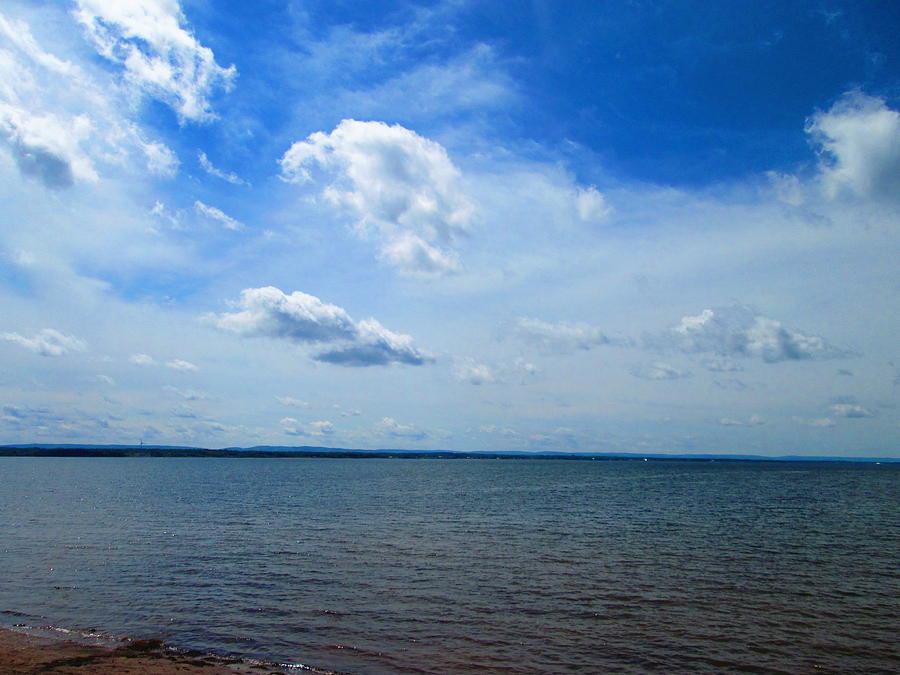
pixel 228 177
pixel 48 342
pixel 156 52
pixel 218 215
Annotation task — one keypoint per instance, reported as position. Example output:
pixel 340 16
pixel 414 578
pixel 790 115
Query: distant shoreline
pixel 308 452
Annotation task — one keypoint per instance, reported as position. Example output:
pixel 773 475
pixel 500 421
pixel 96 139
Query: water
pixel 454 566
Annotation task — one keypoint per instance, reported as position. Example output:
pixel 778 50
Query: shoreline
pixel 28 650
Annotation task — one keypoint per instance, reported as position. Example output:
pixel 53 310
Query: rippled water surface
pixel 453 566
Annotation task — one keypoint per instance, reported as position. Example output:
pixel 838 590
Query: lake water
pixel 455 566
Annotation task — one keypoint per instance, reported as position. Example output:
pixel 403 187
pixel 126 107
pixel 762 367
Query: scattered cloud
pixel 228 177
pixel 303 318
pixel 562 337
pixel 48 342
pixel 157 54
pixel 859 141
pixel 186 394
pixel 850 410
pixel 142 360
pixel 658 371
pixel 181 365
pixel 820 422
pixel 291 402
pixel 469 370
pixel 161 160
pixel 402 187
pixel 752 421
pixel 106 379
pixel 322 428
pixel 47 146
pixel 218 215
pixel 590 205
pixel 390 427
pixel 740 331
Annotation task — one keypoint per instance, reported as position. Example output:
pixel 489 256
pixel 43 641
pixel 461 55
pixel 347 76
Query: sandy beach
pixel 22 654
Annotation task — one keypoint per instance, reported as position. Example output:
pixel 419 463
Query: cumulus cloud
pixel 186 394
pixel 291 402
pixel 819 422
pixel 142 360
pixel 228 177
pixel 560 337
pixel 850 410
pixel 303 318
pixel 657 371
pixel 48 342
pixel 590 205
pixel 218 215
pixel 158 55
pixel 469 370
pixel 740 331
pixel 391 427
pixel 752 421
pixel 60 122
pixel 859 140
pixel 183 366
pixel 402 187
pixel 46 146
pixel 292 427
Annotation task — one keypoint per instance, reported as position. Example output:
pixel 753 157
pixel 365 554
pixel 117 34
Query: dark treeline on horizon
pixel 344 453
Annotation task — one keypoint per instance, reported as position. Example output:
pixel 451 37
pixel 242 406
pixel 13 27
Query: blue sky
pixel 624 226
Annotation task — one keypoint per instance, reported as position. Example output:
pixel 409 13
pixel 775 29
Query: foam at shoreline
pixel 27 650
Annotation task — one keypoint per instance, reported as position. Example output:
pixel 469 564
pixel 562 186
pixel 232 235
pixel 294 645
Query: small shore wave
pixel 27 650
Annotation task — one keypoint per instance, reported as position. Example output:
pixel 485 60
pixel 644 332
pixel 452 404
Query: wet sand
pixel 23 654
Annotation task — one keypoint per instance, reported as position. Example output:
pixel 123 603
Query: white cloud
pixel 590 205
pixel 161 160
pixel 302 318
pixel 391 427
pixel 753 421
pixel 740 331
pixel 48 146
pixel 62 121
pixel 860 139
pixel 850 410
pixel 186 394
pixel 209 168
pixel 820 422
pixel 322 428
pixel 657 371
pixel 402 187
pixel 183 366
pixel 227 221
pixel 158 55
pixel 469 370
pixel 291 402
pixel 106 379
pixel 562 336
pixel 142 360
pixel 48 342
pixel 292 427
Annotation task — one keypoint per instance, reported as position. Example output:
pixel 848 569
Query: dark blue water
pixel 452 566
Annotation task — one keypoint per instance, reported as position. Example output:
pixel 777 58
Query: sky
pixel 635 226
